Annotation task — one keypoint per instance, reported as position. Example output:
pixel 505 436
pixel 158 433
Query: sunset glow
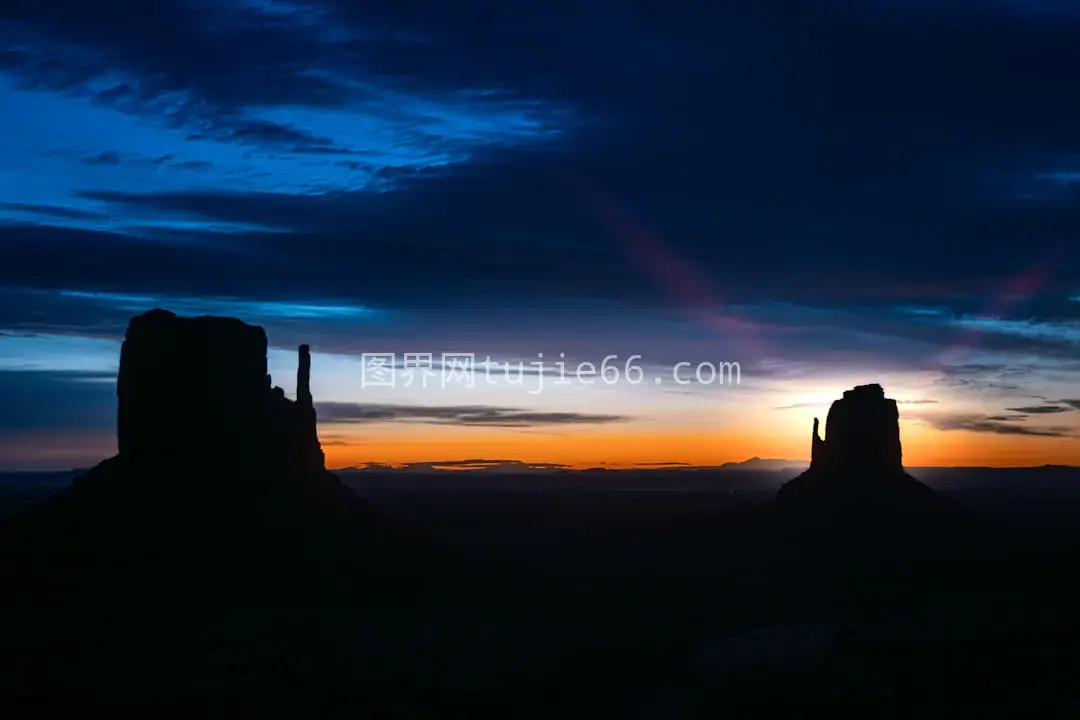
pixel 598 191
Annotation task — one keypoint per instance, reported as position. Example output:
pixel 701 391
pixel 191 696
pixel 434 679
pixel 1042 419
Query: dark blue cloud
pixel 762 143
pixel 853 176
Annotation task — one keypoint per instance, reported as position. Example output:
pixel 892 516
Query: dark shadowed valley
pixel 649 595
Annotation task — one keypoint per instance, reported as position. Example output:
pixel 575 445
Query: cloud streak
pixel 1040 409
pixel 475 415
pixel 998 425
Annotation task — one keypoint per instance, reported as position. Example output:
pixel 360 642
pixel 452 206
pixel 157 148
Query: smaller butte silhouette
pixel 219 486
pixel 856 474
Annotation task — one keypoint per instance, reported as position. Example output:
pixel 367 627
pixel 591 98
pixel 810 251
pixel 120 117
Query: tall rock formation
pixel 856 471
pixel 862 433
pixel 219 485
pixel 307 437
pixel 195 391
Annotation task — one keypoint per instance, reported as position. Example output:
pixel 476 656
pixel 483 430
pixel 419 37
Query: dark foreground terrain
pixel 640 596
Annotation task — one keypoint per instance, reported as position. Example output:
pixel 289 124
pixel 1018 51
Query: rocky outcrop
pixel 195 391
pixel 219 485
pixel 856 471
pixel 863 434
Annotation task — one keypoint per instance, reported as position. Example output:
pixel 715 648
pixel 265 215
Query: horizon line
pixel 475 465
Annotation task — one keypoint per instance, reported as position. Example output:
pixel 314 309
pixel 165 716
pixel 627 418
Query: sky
pixel 867 191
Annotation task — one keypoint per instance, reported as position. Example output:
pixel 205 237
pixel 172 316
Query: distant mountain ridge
pixel 757 463
pixel 517 466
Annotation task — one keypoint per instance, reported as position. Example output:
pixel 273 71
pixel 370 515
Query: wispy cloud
pixel 986 376
pixel 337 412
pixel 297 310
pixel 1040 409
pixel 996 425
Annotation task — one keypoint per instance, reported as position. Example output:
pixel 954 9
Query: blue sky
pixel 808 192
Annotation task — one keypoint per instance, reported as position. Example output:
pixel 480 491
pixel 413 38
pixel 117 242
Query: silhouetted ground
pixel 557 602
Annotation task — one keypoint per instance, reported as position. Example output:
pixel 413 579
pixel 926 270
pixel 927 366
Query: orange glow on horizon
pixel 611 447
pixel 627 448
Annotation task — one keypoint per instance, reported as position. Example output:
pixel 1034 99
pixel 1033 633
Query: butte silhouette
pixel 219 486
pixel 856 474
